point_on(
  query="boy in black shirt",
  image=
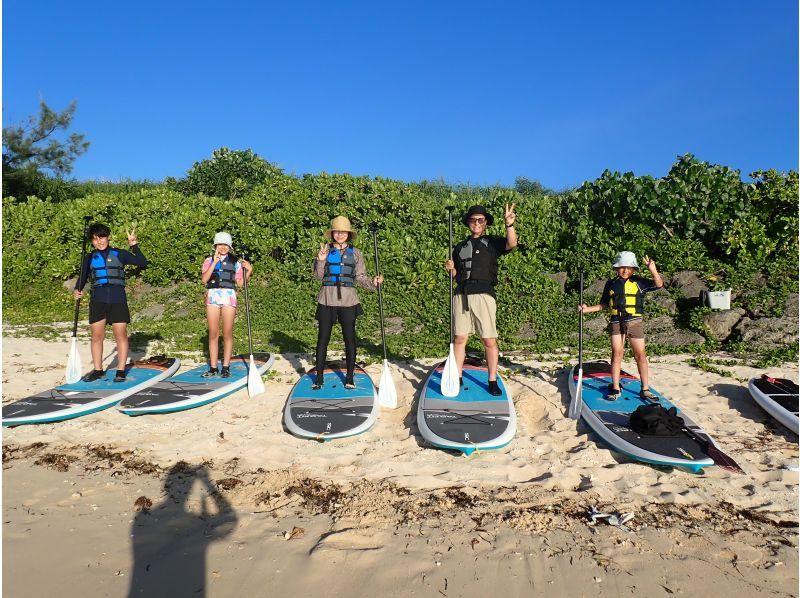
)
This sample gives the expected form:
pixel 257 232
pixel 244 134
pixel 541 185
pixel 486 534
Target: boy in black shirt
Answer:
pixel 108 304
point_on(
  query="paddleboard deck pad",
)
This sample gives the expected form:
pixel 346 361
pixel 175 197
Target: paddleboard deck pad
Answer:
pixel 333 411
pixel 610 419
pixel 778 397
pixel 189 389
pixel 73 400
pixel 473 420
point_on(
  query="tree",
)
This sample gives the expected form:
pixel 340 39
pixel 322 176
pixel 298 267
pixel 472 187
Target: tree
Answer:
pixel 31 149
pixel 228 174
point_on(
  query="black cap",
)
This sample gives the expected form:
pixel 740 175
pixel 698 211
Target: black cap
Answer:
pixel 480 210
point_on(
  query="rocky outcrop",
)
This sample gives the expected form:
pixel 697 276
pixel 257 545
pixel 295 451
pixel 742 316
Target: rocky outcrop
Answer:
pixel 790 309
pixel 688 283
pixel 154 312
pixel 596 288
pixel 663 300
pixel 662 331
pixel 720 324
pixel 768 333
pixel 560 278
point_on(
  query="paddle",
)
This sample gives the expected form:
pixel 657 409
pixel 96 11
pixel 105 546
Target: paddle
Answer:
pixel 450 383
pixel 387 394
pixel 74 367
pixel 577 399
pixel 255 385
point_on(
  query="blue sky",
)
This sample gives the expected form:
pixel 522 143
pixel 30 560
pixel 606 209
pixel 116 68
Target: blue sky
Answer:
pixel 468 92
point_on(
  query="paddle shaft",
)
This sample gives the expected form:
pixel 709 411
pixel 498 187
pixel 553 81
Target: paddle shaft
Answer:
pixel 380 291
pixel 580 329
pixel 86 221
pixel 450 248
pixel 247 310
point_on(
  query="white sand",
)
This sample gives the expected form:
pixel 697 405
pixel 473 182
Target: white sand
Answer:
pixel 373 527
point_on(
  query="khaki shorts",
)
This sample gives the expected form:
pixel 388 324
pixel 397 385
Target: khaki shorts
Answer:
pixel 481 317
pixel 633 329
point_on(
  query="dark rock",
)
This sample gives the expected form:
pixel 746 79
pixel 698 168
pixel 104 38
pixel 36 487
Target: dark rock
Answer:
pixel 790 310
pixel 527 331
pixel 768 333
pixel 155 312
pixel 720 324
pixel 182 312
pixel 70 284
pixel 140 289
pixel 393 325
pixel 662 331
pixel 560 278
pixel 688 283
pixel 663 300
pixel 596 288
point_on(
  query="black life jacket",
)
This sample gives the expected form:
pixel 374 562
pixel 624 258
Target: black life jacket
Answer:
pixel 627 300
pixel 655 420
pixel 106 270
pixel 340 269
pixel 224 275
pixel 476 264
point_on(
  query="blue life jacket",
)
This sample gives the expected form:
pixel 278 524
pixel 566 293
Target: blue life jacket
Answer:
pixel 224 276
pixel 340 268
pixel 106 271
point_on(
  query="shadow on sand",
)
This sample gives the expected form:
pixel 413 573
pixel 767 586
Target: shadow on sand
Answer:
pixel 170 541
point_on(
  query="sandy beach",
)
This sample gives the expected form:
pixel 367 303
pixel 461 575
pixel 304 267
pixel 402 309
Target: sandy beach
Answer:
pixel 222 501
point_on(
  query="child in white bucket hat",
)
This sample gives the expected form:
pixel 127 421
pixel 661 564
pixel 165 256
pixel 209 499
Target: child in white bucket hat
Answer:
pixel 222 273
pixel 623 296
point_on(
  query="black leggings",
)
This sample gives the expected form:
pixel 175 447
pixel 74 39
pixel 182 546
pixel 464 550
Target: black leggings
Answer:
pixel 327 317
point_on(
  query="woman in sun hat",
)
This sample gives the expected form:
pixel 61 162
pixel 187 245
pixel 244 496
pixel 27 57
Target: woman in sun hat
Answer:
pixel 340 267
pixel 222 273
pixel 624 297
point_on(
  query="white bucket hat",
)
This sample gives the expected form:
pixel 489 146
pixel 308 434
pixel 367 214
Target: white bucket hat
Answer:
pixel 223 239
pixel 625 259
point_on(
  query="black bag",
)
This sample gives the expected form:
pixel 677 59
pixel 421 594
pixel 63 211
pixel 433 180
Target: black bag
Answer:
pixel 654 420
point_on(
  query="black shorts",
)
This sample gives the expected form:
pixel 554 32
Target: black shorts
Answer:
pixel 112 313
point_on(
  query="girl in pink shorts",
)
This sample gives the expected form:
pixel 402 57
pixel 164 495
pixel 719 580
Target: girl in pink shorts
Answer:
pixel 221 274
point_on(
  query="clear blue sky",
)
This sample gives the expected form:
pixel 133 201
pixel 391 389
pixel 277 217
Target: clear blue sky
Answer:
pixel 469 92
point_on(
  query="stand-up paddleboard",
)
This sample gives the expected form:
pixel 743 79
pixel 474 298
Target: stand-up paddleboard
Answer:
pixel 610 419
pixel 189 389
pixel 473 420
pixel 778 397
pixel 333 411
pixel 72 400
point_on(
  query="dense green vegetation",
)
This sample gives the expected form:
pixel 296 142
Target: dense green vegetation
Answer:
pixel 698 217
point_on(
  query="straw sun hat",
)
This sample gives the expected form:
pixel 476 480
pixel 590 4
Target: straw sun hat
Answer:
pixel 342 224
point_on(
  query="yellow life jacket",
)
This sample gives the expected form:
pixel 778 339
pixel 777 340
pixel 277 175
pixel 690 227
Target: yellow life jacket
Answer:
pixel 627 300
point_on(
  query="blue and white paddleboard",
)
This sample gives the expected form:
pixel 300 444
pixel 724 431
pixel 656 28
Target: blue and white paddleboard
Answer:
pixel 779 398
pixel 610 419
pixel 333 411
pixel 473 420
pixel 189 389
pixel 72 400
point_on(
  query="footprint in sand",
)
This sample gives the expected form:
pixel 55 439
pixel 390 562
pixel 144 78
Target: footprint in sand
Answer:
pixel 532 412
pixel 351 539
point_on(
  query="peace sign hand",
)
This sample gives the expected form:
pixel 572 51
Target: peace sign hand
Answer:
pixel 509 215
pixel 131 236
pixel 323 252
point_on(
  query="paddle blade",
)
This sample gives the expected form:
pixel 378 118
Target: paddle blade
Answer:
pixel 450 385
pixel 577 398
pixel 387 394
pixel 255 385
pixel 74 367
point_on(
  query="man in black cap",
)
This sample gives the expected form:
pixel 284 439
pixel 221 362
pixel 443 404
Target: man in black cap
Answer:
pixel 474 266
